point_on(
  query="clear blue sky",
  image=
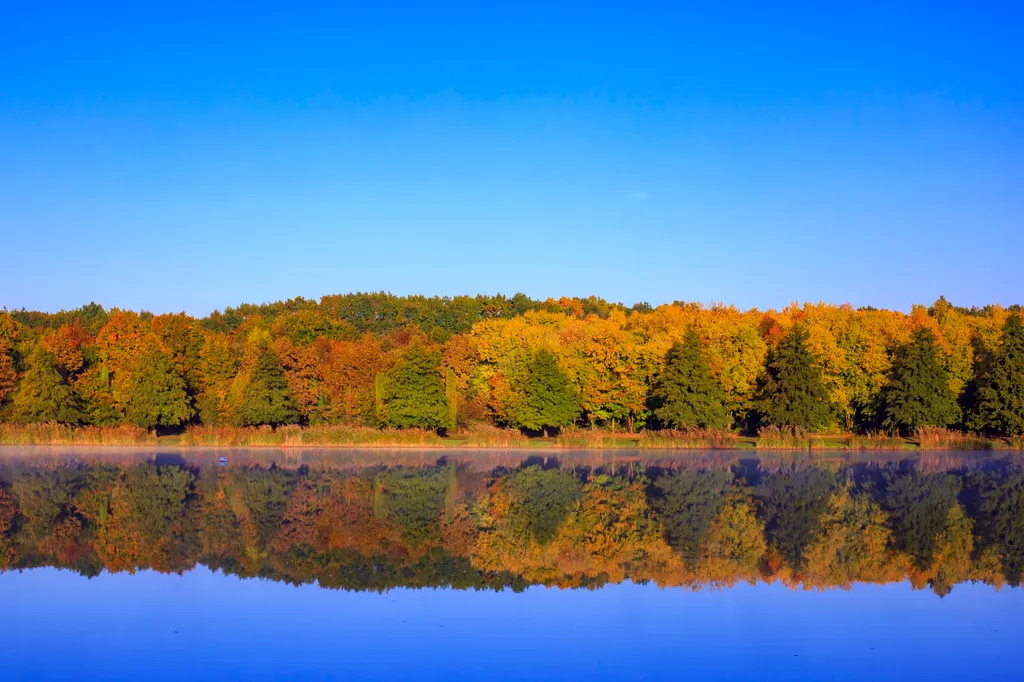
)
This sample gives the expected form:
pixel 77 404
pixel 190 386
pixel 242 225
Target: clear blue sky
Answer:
pixel 180 156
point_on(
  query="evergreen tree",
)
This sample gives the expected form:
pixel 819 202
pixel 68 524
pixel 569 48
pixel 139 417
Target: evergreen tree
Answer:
pixel 156 394
pixel 999 400
pixel 686 395
pixel 792 392
pixel 267 399
pixel 414 395
pixel 918 392
pixel 43 396
pixel 548 399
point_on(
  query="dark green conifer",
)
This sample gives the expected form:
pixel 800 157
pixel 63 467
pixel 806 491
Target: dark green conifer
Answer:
pixel 413 395
pixel 267 399
pixel 792 392
pixel 686 396
pixel 548 399
pixel 918 392
pixel 999 400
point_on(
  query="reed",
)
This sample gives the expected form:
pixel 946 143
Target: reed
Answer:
pixel 785 438
pixel 937 438
pixel 311 436
pixel 875 440
pixel 1015 442
pixel 688 439
pixel 62 434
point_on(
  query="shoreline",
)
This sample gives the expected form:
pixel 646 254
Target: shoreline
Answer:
pixel 341 438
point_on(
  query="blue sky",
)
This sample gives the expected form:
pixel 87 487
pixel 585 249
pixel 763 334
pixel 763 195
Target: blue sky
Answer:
pixel 182 157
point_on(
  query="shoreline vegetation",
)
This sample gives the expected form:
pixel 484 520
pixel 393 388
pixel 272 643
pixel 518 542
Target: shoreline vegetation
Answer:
pixel 377 370
pixel 490 437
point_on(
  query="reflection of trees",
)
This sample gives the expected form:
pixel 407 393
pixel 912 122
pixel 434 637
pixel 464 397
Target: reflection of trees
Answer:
pixel 374 528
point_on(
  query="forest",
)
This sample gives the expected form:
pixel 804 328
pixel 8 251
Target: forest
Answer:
pixel 503 522
pixel 379 362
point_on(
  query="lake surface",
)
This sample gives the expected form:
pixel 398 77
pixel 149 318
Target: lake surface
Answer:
pixel 322 565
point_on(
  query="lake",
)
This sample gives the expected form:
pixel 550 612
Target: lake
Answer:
pixel 502 565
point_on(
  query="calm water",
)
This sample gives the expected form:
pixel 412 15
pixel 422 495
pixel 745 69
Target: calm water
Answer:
pixel 488 565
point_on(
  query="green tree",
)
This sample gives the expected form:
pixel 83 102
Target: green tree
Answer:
pixel 791 391
pixel 918 392
pixel 43 396
pixel 451 392
pixel 999 400
pixel 156 394
pixel 414 395
pixel 686 395
pixel 267 399
pixel 548 399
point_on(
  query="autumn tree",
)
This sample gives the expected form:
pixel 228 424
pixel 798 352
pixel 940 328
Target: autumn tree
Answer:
pixel 686 395
pixel 999 397
pixel 266 398
pixel 43 395
pixel 918 392
pixel 8 375
pixel 157 395
pixel 791 391
pixel 413 395
pixel 547 398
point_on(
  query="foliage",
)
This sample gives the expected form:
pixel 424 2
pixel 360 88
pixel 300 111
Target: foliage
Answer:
pixel 604 366
pixel 43 395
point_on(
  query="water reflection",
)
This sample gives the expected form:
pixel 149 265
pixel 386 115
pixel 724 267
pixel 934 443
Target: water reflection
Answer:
pixel 382 520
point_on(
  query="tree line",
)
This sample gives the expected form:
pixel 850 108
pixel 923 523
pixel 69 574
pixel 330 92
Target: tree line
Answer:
pixel 439 363
pixel 456 524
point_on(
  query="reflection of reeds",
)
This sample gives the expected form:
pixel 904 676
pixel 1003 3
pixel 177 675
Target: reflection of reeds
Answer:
pixel 62 434
pixel 937 438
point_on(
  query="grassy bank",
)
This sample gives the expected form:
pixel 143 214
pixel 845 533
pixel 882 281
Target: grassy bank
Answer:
pixel 483 436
